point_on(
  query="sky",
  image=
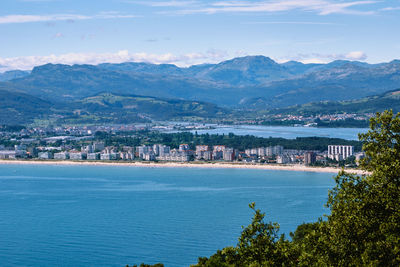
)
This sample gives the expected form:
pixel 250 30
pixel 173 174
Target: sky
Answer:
pixel 187 32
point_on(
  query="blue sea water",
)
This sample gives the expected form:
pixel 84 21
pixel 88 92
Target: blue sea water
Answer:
pixel 286 131
pixel 118 215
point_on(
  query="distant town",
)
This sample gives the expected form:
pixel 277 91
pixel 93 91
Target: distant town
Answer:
pixel 115 143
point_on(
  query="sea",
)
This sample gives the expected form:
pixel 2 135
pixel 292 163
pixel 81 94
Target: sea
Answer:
pixel 58 215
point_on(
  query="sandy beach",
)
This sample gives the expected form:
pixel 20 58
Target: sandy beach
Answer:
pixel 187 165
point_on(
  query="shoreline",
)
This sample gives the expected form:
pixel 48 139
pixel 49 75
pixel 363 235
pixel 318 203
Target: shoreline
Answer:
pixel 216 165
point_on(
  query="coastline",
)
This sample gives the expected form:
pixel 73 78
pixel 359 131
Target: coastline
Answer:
pixel 217 165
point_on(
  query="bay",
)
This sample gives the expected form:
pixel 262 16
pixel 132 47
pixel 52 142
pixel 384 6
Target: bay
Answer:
pixel 285 131
pixel 118 215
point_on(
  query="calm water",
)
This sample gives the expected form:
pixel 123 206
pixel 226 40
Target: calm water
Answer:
pixel 287 132
pixel 112 216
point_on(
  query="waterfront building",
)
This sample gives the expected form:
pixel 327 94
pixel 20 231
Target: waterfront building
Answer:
pixel 207 155
pixel 45 155
pixel 217 155
pixel 160 149
pixel 218 148
pixel 61 155
pixel 8 154
pixel 339 152
pixel 98 146
pixel 126 156
pixel 283 159
pixel 277 150
pixel 93 156
pixel 149 156
pixel 203 152
pixel 142 150
pixel 164 150
pixel 105 156
pixel 87 149
pixel 109 156
pixel 174 157
pixel 229 154
pixel 184 147
pixel 310 158
pixel 77 155
pixel 261 152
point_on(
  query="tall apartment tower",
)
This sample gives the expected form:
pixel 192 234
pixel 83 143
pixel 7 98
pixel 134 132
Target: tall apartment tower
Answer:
pixel 340 152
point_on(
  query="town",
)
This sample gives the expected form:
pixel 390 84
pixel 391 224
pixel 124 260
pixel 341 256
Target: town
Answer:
pixel 83 145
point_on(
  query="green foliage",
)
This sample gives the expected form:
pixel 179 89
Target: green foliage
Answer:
pixel 347 123
pixel 147 265
pixel 364 225
pixel 363 228
pixel 258 245
pixel 378 103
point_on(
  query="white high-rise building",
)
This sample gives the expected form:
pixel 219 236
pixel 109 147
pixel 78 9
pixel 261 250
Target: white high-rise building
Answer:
pixel 340 152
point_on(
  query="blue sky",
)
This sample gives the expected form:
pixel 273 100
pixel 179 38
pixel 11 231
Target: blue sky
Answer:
pixel 34 32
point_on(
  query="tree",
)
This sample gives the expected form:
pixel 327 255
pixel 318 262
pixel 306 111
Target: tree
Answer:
pixel 363 228
pixel 258 245
pixel 364 225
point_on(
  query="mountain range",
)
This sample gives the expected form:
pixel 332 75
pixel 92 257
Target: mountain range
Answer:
pixel 252 82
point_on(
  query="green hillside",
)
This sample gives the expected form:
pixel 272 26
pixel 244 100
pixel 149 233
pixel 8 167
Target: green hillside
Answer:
pixel 21 108
pixel 372 104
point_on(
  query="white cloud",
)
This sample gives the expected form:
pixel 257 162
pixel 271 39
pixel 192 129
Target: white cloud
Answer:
pixel 326 58
pixel 356 55
pixel 173 3
pixel 58 35
pixel 28 62
pixel 390 8
pixel 322 7
pixel 292 22
pixel 7 19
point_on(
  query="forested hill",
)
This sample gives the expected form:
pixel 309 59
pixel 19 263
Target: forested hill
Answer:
pixel 372 104
pixel 20 108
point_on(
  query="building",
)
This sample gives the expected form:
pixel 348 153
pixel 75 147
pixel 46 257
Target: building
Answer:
pixel 61 155
pixel 261 152
pixel 310 158
pixel 87 149
pixel 273 151
pixel 93 156
pixel 150 156
pixel 174 157
pixel 77 155
pixel 126 156
pixel 207 155
pixel 8 154
pixel 105 156
pixel 203 152
pixel 359 157
pixel 218 148
pixel 142 150
pixel 161 150
pixel 45 155
pixel 339 152
pixel 229 154
pixel 98 146
pixel 283 159
pixel 184 147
